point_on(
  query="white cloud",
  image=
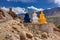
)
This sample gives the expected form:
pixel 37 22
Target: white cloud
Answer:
pixel 57 2
pixel 6 9
pixel 34 8
pixel 54 1
pixel 48 8
pixel 17 10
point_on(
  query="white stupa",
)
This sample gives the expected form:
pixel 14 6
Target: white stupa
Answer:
pixel 34 18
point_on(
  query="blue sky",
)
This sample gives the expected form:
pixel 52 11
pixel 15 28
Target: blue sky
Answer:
pixel 30 4
pixel 25 4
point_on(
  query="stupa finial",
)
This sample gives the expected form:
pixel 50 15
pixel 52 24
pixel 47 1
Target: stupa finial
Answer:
pixel 26 10
pixel 35 11
pixel 42 12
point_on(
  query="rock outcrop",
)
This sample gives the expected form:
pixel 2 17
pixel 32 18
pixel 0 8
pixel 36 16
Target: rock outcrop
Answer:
pixel 4 16
pixel 13 14
pixel 15 29
pixel 1 14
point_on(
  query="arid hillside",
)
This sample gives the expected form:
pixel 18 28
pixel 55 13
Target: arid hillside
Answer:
pixel 16 30
pixel 12 28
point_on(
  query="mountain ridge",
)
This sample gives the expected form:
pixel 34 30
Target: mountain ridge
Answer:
pixel 47 12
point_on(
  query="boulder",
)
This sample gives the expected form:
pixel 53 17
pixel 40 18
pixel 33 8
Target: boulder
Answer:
pixel 29 35
pixel 22 35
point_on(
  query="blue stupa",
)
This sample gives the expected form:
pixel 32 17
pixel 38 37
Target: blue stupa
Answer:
pixel 26 18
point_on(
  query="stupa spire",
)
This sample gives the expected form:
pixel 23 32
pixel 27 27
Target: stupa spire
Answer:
pixel 26 10
pixel 42 19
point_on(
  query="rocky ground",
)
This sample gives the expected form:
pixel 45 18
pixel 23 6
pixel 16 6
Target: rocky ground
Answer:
pixel 16 30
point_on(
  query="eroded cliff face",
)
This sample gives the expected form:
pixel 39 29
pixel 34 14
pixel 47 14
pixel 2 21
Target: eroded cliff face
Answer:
pixel 16 30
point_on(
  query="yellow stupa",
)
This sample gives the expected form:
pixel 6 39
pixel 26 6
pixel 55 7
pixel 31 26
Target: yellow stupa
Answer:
pixel 42 19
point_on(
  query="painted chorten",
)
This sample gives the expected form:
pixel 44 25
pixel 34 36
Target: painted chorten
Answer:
pixel 27 18
pixel 34 18
pixel 42 19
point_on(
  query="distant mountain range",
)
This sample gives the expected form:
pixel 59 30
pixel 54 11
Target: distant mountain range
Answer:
pixel 52 15
pixel 47 12
pixel 52 11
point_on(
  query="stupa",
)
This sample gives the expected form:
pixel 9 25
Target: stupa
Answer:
pixel 42 19
pixel 27 18
pixel 34 18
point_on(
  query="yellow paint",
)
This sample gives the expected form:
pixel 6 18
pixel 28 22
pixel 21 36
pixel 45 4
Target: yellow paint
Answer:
pixel 42 19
